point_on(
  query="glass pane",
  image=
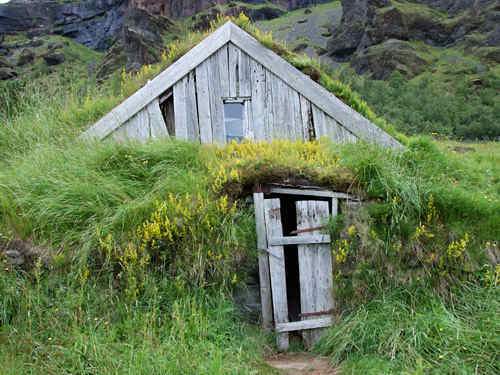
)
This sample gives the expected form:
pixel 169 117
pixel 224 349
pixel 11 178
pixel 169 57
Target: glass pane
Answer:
pixel 233 121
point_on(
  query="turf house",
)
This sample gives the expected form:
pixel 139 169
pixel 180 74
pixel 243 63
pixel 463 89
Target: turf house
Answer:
pixel 228 88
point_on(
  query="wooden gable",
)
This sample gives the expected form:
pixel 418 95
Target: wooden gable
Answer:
pixel 188 99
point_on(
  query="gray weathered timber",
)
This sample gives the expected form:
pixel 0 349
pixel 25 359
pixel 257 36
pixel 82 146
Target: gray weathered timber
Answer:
pixel 264 276
pixel 244 73
pixel 193 130
pixel 203 95
pixel 161 83
pixel 230 51
pixel 306 117
pixel 315 267
pixel 269 98
pixel 219 88
pixel 345 115
pixel 180 109
pixel 156 123
pixel 304 324
pixel 258 103
pixel 335 206
pixel 311 193
pixel 135 128
pixel 277 268
pixel 299 240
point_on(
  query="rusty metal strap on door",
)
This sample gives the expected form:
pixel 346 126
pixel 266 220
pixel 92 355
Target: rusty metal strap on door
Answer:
pixel 307 230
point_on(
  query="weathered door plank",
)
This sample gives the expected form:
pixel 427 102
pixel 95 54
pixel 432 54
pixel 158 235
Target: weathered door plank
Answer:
pixel 315 267
pixel 277 268
pixel 264 273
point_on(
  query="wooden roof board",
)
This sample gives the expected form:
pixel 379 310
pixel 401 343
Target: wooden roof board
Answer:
pixel 353 121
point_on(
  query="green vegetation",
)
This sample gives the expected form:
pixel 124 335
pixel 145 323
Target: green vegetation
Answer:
pixel 132 249
pixel 466 106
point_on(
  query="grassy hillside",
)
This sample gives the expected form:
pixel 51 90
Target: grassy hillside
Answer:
pixel 132 250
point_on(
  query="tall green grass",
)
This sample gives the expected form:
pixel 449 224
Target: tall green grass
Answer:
pixel 413 331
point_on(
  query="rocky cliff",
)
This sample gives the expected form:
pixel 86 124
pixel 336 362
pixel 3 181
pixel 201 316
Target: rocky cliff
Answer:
pixel 377 35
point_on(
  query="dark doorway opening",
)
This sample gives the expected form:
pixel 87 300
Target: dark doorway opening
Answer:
pixel 167 110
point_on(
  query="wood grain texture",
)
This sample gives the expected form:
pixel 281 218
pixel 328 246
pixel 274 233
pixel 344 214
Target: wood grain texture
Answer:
pixel 157 124
pixel 180 109
pixel 258 103
pixel 264 273
pixel 193 129
pixel 299 240
pixel 277 268
pixel 160 84
pixel 305 324
pixel 203 97
pixel 218 88
pixel 322 98
pixel 135 128
pixel 306 117
pixel 315 267
pixel 311 193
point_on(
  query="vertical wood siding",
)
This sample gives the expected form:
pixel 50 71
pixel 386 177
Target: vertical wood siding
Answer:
pixel 272 108
pixel 146 124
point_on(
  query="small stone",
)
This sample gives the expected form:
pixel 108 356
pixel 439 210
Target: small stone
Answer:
pixel 14 257
pixel 7 74
pixel 26 57
pixel 54 58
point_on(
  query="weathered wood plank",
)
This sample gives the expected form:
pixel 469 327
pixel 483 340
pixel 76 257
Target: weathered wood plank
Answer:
pixel 180 109
pixel 203 94
pixel 156 122
pixel 135 128
pixel 264 273
pixel 300 135
pixel 277 268
pixel 219 88
pixel 319 122
pixel 311 193
pixel 326 101
pixel 234 67
pixel 270 98
pixel 158 85
pixel 299 240
pixel 258 103
pixel 306 114
pixel 315 267
pixel 305 324
pixel 193 129
pixel 335 206
pixel 244 74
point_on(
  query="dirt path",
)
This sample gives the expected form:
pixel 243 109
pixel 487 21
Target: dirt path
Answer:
pixel 301 363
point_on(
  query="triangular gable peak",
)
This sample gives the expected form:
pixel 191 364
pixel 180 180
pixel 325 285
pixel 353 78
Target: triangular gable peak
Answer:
pixel 230 86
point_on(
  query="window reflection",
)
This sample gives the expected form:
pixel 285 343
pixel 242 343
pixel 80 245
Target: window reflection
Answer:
pixel 233 121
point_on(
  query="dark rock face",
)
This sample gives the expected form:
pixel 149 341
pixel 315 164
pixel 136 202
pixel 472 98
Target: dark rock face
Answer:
pixel 54 58
pixel 26 57
pixel 387 57
pixel 7 74
pixel 176 9
pixel 91 23
pixel 369 23
pixel 138 43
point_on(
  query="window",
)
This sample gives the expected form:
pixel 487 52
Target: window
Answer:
pixel 233 121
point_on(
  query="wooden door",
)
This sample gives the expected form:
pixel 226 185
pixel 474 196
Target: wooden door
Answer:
pixel 315 267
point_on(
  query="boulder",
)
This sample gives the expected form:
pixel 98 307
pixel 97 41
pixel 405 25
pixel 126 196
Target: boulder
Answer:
pixel 26 57
pixel 14 257
pixel 392 55
pixel 7 74
pixel 54 58
pixel 4 63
